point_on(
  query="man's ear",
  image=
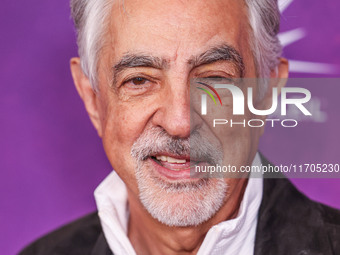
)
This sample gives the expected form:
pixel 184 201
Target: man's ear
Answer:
pixel 278 79
pixel 87 94
pixel 280 73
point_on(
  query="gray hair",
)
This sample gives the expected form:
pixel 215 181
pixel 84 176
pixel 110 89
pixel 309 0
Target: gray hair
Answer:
pixel 91 19
pixel 264 19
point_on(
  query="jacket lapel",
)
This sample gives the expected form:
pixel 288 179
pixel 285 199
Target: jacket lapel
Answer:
pixel 101 247
pixel 288 222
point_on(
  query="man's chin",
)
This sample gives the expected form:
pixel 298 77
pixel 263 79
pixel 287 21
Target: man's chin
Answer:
pixel 179 202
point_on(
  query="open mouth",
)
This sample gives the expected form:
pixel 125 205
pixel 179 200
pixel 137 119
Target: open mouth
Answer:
pixel 172 163
pixel 175 167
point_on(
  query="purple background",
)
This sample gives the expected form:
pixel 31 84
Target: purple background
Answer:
pixel 50 157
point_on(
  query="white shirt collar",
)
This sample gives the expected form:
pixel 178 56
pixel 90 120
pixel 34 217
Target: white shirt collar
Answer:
pixel 235 236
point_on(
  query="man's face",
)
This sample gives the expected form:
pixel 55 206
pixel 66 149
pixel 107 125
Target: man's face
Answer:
pixel 152 51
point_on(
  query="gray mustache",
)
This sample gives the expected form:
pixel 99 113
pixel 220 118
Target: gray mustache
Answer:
pixel 156 140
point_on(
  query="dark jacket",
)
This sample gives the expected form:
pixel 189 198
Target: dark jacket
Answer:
pixel 288 223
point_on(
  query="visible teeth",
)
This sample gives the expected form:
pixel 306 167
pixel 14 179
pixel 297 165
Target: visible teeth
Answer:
pixel 171 159
pixel 161 158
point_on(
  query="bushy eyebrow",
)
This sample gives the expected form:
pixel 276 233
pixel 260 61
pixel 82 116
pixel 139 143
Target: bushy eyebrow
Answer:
pixel 131 60
pixel 140 60
pixel 224 52
pixel 218 53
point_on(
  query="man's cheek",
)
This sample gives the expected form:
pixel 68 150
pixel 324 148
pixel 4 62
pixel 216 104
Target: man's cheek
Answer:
pixel 122 128
pixel 117 144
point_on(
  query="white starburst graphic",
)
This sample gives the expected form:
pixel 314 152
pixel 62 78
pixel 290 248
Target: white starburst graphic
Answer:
pixel 292 36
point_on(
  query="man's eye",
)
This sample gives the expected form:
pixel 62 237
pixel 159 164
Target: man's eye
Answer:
pixel 215 77
pixel 218 79
pixel 138 81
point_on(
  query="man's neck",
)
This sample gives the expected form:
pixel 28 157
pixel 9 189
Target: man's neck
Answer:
pixel 149 236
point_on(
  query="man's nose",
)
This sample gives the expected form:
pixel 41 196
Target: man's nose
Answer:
pixel 174 112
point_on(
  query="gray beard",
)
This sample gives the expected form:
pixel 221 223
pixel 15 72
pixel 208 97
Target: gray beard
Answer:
pixel 178 204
